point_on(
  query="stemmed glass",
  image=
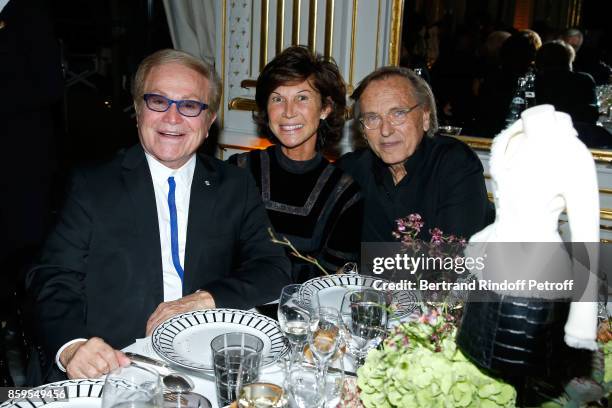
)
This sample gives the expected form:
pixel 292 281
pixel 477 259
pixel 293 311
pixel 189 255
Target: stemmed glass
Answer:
pixel 304 386
pixel 132 386
pixel 364 313
pixel 324 340
pixel 295 319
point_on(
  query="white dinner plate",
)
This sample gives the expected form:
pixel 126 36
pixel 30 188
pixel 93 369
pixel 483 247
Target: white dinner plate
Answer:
pixel 185 339
pixel 80 394
pixel 331 290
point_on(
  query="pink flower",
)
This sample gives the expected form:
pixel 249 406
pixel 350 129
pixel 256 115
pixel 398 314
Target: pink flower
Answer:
pixel 415 221
pixel 407 231
pixel 436 232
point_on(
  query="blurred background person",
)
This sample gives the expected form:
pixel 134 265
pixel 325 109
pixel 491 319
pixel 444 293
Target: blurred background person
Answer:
pixel 556 84
pixel 517 56
pixel 490 51
pixel 587 58
pixel 452 79
pixel 301 106
pixel 533 37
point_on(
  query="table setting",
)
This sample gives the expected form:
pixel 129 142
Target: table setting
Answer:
pixel 211 358
pixel 338 342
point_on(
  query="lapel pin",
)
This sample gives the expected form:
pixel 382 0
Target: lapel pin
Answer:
pixel 207 182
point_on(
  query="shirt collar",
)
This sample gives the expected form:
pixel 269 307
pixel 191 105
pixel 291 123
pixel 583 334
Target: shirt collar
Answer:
pixel 160 173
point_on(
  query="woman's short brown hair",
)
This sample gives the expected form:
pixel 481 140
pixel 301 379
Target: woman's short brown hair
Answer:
pixel 296 64
pixel 170 56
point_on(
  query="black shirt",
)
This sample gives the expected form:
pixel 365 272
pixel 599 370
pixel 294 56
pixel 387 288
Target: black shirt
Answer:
pixel 444 184
pixel 314 204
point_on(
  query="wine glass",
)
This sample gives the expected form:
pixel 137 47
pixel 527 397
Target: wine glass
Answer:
pixel 295 319
pixel 364 313
pixel 132 386
pixel 324 340
pixel 256 395
pixel 304 386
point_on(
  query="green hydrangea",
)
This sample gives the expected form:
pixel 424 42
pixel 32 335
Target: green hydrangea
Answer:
pixel 607 350
pixel 420 366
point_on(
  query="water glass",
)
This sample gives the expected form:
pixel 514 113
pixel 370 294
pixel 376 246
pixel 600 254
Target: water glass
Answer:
pixel 305 389
pixel 364 313
pixel 236 360
pixel 132 386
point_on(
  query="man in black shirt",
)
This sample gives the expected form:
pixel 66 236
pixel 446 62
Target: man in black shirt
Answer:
pixel 407 169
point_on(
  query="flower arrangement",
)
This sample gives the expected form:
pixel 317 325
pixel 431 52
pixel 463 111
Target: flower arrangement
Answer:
pixel 421 366
pixel 407 230
pixel 445 249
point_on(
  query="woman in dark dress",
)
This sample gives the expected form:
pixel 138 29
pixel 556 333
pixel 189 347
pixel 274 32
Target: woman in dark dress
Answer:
pixel 301 100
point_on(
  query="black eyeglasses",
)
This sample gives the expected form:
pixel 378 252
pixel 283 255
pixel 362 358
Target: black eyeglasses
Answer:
pixel 160 103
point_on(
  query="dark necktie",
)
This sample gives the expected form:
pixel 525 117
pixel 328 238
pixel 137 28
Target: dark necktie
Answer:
pixel 176 260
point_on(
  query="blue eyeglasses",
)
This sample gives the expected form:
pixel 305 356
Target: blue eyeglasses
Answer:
pixel 160 103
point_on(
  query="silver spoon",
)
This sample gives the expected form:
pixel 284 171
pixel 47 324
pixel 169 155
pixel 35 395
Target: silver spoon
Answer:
pixel 177 383
pixel 173 381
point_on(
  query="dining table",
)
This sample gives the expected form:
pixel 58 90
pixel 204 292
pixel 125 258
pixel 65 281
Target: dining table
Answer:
pixel 206 323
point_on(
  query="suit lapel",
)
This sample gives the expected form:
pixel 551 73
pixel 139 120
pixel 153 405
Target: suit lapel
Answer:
pixel 202 201
pixel 139 185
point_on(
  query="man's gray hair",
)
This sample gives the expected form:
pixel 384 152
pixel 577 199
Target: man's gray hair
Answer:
pixel 573 32
pixel 420 91
pixel 170 56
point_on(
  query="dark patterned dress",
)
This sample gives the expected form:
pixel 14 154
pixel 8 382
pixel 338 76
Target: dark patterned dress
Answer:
pixel 313 203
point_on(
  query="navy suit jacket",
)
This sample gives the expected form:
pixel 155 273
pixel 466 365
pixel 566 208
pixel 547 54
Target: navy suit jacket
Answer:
pixel 100 271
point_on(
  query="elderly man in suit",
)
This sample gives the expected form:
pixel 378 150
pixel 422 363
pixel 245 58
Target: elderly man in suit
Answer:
pixel 157 231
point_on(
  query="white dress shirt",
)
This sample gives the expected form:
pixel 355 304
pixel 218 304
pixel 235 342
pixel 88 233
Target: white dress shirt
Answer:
pixel 183 176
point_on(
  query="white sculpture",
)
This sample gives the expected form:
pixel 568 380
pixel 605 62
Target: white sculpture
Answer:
pixel 539 169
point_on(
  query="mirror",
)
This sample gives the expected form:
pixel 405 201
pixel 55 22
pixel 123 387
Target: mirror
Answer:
pixel 461 48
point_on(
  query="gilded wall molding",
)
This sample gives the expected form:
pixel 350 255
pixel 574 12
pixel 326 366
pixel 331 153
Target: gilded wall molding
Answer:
pixel 242 104
pixel 481 143
pixel 397 16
